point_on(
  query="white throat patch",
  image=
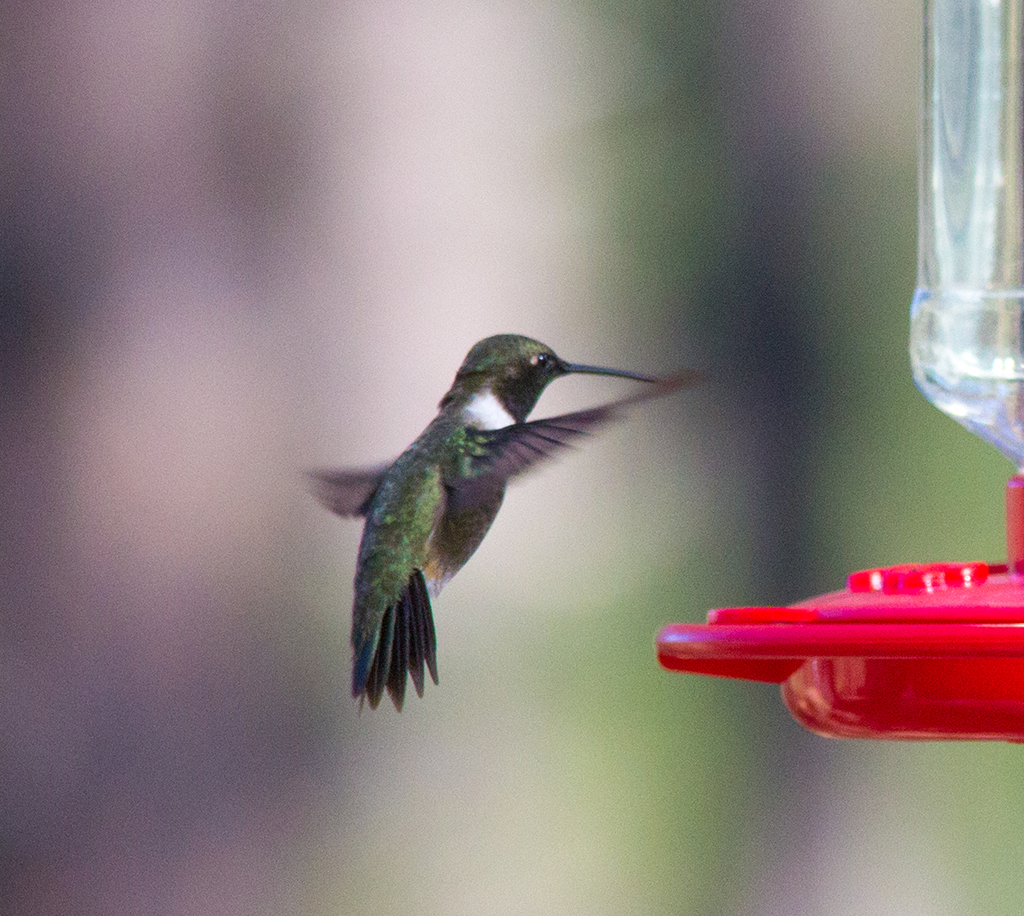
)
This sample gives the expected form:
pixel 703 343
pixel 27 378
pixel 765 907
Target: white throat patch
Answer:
pixel 485 411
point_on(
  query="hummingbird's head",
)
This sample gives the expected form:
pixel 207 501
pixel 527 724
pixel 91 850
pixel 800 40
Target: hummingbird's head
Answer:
pixel 502 377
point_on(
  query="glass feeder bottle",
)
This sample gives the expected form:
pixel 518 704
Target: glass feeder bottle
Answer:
pixel 967 317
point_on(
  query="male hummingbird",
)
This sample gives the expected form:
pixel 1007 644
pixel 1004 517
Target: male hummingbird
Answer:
pixel 428 511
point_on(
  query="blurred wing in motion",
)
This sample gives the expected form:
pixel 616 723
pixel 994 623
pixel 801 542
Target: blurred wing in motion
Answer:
pixel 347 491
pixel 501 454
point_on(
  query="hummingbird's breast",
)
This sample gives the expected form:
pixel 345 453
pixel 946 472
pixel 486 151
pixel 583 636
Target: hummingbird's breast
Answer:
pixel 455 539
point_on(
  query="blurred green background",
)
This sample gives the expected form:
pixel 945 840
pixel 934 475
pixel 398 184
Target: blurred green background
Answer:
pixel 244 239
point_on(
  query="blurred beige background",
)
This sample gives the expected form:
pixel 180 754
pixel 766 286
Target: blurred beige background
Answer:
pixel 244 239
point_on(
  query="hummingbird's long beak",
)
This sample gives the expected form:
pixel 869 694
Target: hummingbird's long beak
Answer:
pixel 600 370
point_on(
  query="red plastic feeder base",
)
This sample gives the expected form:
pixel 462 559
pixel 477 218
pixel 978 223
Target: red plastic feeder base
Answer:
pixel 933 651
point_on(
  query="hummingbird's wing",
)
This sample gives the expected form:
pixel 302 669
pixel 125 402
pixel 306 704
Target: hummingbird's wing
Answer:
pixel 500 454
pixel 346 491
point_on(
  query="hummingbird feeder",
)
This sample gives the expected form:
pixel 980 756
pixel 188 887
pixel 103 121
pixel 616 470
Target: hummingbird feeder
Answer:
pixel 930 651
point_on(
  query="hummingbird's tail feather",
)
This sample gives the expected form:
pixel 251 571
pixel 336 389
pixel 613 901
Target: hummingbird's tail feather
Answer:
pixel 372 685
pixel 428 637
pixel 407 640
pixel 421 631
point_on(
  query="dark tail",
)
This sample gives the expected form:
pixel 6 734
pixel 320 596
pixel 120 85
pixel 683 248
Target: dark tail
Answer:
pixel 407 640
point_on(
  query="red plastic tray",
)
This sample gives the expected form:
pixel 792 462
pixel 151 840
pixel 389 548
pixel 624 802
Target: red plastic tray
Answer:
pixel 933 650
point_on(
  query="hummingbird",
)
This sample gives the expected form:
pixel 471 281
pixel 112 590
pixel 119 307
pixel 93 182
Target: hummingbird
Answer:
pixel 427 512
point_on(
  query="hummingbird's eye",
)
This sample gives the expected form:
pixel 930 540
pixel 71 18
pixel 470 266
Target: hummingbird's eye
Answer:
pixel 540 359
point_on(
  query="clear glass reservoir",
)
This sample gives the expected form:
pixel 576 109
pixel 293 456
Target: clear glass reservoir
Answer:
pixel 967 318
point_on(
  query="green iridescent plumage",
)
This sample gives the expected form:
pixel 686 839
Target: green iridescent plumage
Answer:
pixel 428 511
